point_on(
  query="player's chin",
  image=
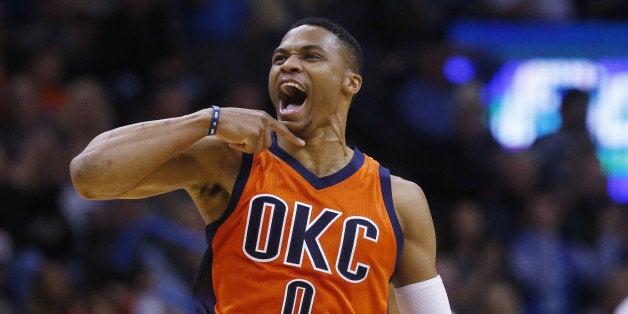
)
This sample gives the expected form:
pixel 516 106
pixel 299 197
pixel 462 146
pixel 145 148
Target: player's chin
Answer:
pixel 297 127
pixel 294 126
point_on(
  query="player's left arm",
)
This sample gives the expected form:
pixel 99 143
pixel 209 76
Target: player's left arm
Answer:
pixel 418 287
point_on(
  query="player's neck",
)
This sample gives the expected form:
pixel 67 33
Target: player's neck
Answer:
pixel 321 155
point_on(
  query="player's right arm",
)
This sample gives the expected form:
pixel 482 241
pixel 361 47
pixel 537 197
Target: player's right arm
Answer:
pixel 153 157
pixel 418 287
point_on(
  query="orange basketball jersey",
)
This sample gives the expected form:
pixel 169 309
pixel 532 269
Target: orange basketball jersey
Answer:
pixel 290 242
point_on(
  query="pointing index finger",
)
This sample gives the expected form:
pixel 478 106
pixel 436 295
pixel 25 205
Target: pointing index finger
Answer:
pixel 284 132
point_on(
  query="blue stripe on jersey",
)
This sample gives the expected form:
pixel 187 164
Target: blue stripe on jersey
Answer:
pixel 203 291
pixel 384 179
pixel 320 183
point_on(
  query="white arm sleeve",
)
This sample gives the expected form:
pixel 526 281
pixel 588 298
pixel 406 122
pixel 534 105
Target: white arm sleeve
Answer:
pixel 427 296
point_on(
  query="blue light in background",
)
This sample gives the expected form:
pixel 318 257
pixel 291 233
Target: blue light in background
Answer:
pixel 459 69
pixel 519 40
pixel 540 59
pixel 524 99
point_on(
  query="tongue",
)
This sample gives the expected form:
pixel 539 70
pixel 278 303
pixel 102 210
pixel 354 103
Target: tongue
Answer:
pixel 291 108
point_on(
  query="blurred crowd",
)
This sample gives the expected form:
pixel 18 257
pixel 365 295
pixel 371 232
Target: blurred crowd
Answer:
pixel 527 231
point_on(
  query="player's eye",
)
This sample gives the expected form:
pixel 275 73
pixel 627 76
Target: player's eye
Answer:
pixel 312 56
pixel 279 59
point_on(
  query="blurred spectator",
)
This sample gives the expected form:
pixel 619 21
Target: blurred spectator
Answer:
pixel 23 111
pixel 615 292
pixel 561 274
pixel 33 219
pixel 53 291
pixel 47 71
pixel 36 175
pixel 135 36
pixel 470 153
pixel 501 297
pixel 177 70
pixel 6 257
pixel 170 101
pixel 424 109
pixel 3 88
pixel 588 198
pixel 570 167
pixel 88 110
pixel 248 95
pixel 555 151
pixel 517 180
pixel 475 260
pixel 425 99
pixel 166 260
pixel 540 258
pixel 600 258
pixel 87 113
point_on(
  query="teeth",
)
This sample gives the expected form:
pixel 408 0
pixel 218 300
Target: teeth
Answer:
pixel 285 89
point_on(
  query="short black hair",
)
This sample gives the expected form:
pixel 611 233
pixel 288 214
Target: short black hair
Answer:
pixel 350 43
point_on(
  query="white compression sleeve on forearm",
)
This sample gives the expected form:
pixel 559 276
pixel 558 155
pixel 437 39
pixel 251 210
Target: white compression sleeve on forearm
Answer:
pixel 427 296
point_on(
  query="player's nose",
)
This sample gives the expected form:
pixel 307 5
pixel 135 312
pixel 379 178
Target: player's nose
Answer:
pixel 292 64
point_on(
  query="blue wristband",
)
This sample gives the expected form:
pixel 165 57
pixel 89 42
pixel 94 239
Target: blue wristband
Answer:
pixel 213 125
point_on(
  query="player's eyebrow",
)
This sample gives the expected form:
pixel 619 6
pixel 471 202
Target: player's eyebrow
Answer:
pixel 301 48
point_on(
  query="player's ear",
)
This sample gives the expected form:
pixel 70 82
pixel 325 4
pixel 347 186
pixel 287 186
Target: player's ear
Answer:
pixel 352 82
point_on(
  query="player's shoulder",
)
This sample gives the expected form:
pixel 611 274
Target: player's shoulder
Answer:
pixel 403 188
pixel 409 201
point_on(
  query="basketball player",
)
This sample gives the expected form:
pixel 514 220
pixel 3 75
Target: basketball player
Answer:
pixel 296 220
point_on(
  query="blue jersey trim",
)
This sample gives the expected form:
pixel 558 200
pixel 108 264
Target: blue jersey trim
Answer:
pixel 384 179
pixel 204 295
pixel 324 182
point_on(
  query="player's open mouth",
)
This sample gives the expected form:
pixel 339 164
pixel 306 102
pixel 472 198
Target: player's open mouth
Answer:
pixel 291 97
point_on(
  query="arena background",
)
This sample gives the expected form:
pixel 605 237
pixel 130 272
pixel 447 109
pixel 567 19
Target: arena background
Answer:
pixel 455 93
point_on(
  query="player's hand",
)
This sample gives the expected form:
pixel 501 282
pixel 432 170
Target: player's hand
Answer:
pixel 250 130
